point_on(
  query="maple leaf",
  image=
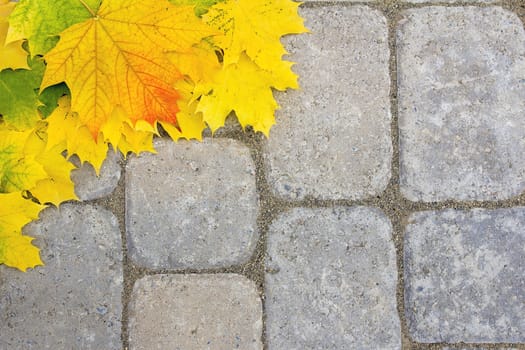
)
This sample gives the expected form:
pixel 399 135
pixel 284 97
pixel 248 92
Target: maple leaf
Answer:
pixel 133 141
pixel 49 98
pixel 244 88
pixel 19 97
pixel 254 27
pixel 41 22
pixel 18 170
pixel 12 55
pixel 125 137
pixel 65 132
pixel 16 249
pixel 190 123
pixel 57 186
pixel 199 63
pixel 252 62
pixel 200 6
pixel 116 58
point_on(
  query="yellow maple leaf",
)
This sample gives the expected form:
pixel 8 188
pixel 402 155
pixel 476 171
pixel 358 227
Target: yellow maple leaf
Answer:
pixel 117 58
pixel 65 132
pixel 12 55
pixel 16 249
pixel 200 63
pixel 251 53
pixel 254 27
pixel 16 212
pixel 57 187
pixel 127 138
pixel 135 141
pixel 244 88
pixel 190 123
pixel 18 170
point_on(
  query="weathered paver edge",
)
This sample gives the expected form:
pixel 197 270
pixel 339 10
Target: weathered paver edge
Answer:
pixel 395 207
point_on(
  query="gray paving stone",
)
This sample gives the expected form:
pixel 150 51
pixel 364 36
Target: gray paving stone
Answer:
pixel 464 278
pixel 74 301
pixel 332 137
pixel 479 348
pixel 331 280
pixel 89 186
pixel 193 205
pixel 221 311
pixel 451 1
pixel 461 76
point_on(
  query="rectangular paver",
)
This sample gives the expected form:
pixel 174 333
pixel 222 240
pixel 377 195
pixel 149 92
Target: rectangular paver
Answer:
pixel 464 279
pixel 192 205
pixel 74 301
pixel 331 281
pixel 219 311
pixel 461 76
pixel 332 137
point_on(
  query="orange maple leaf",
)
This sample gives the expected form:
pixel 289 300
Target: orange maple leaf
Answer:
pixel 117 58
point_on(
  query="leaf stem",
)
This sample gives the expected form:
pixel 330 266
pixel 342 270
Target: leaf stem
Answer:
pixel 88 8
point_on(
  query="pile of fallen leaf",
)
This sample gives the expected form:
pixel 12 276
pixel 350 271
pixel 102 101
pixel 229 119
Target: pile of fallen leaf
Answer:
pixel 79 75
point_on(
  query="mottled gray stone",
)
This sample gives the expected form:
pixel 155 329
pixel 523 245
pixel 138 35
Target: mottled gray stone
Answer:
pixel 451 1
pixel 331 280
pixel 90 186
pixel 461 79
pixel 192 205
pixel 332 137
pixel 464 278
pixel 479 348
pixel 74 301
pixel 220 311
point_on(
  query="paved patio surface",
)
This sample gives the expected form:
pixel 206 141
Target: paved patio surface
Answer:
pixel 386 211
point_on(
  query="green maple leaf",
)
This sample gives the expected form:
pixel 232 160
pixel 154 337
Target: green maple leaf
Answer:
pixel 41 22
pixel 19 95
pixel 49 97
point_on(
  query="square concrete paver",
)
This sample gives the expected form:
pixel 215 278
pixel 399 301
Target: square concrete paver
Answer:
pixel 461 76
pixel 74 301
pixel 332 137
pixel 192 205
pixel 331 281
pixel 464 279
pixel 219 311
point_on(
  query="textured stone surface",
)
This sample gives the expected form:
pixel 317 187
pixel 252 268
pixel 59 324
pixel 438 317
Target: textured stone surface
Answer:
pixel 480 348
pixel 332 137
pixel 192 205
pixel 222 311
pixel 461 96
pixel 331 280
pixel 90 186
pixel 450 1
pixel 464 278
pixel 74 301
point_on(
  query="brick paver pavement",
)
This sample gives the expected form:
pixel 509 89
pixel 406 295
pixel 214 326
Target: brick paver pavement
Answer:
pixel 386 211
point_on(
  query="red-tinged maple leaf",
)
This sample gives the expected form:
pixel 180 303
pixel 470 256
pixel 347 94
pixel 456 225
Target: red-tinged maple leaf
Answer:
pixel 117 58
